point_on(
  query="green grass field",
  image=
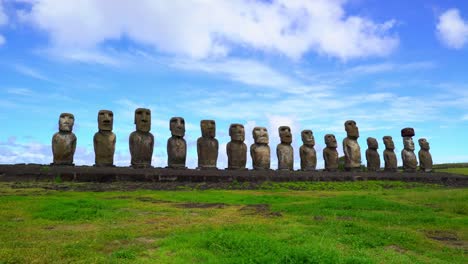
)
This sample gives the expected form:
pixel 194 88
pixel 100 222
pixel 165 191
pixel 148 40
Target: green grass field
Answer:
pixel 463 171
pixel 350 222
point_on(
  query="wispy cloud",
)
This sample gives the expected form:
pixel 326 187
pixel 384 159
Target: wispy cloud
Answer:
pixel 30 72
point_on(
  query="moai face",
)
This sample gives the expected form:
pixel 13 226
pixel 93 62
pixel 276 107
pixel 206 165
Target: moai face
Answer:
pixel 260 135
pixel 372 143
pixel 285 134
pixel 308 137
pixel 330 141
pixel 208 128
pixel 237 132
pixel 352 130
pixel 408 143
pixel 105 120
pixel 388 141
pixel 143 119
pixel 424 144
pixel 66 121
pixel 177 127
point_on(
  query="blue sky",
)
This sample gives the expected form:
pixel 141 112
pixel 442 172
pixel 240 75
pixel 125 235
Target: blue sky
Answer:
pixel 303 63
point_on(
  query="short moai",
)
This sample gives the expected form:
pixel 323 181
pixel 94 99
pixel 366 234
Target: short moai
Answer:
pixel 389 155
pixel 307 151
pixel 104 140
pixel 260 150
pixel 284 150
pixel 351 148
pixel 207 146
pixel 64 141
pixel 372 156
pixel 141 141
pixel 330 154
pixel 236 149
pixel 425 157
pixel 176 144
pixel 410 163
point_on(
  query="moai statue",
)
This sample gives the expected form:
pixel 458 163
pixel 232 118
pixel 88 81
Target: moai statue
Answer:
pixel 284 150
pixel 64 141
pixel 141 141
pixel 330 154
pixel 176 144
pixel 351 148
pixel 425 157
pixel 307 151
pixel 207 145
pixel 260 151
pixel 104 140
pixel 372 156
pixel 389 155
pixel 410 163
pixel 236 149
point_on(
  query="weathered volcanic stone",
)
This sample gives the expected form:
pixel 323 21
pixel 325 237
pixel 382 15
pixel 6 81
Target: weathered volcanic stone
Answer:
pixel 104 140
pixel 236 149
pixel 260 151
pixel 410 163
pixel 64 141
pixel 351 147
pixel 141 141
pixel 425 157
pixel 330 154
pixel 372 156
pixel 389 154
pixel 176 144
pixel 307 151
pixel 407 132
pixel 284 150
pixel 207 145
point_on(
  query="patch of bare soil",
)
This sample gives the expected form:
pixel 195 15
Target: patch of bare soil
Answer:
pixel 151 200
pixel 259 209
pixel 448 238
pixel 396 248
pixel 202 205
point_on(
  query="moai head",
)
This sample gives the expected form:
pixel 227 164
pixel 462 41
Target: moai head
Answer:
pixel 424 144
pixel 260 135
pixel 330 141
pixel 143 119
pixel 372 143
pixel 208 128
pixel 308 137
pixel 105 120
pixel 408 143
pixel 352 130
pixel 388 142
pixel 177 127
pixel 66 121
pixel 285 134
pixel 237 132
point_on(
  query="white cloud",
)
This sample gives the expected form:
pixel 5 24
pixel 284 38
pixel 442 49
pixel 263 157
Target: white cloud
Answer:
pixel 210 28
pixel 3 21
pixel 30 72
pixel 452 29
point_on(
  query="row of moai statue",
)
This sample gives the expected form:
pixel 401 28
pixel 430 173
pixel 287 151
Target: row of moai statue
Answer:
pixel 141 143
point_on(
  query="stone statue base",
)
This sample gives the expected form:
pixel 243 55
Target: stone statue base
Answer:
pixel 207 168
pixel 141 166
pixel 104 165
pixel 177 167
pixel 355 169
pixel 62 164
pixel 238 169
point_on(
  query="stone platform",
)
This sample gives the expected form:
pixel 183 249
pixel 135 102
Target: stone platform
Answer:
pixel 35 172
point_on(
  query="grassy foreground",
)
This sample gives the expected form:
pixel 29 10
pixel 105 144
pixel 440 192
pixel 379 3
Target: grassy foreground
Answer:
pixel 350 222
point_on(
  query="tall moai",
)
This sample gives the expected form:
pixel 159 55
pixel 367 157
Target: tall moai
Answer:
pixel 425 157
pixel 207 146
pixel 372 156
pixel 307 151
pixel 390 159
pixel 141 141
pixel 236 149
pixel 351 148
pixel 260 150
pixel 104 140
pixel 176 144
pixel 64 141
pixel 410 163
pixel 284 150
pixel 330 154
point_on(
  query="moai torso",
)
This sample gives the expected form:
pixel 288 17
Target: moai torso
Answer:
pixel 307 152
pixel 410 163
pixel 351 148
pixel 104 140
pixel 389 154
pixel 141 141
pixel 176 144
pixel 236 150
pixel 284 150
pixel 425 157
pixel 372 156
pixel 260 151
pixel 64 141
pixel 330 154
pixel 207 146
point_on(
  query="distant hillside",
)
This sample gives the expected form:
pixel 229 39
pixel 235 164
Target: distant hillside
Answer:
pixel 450 165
